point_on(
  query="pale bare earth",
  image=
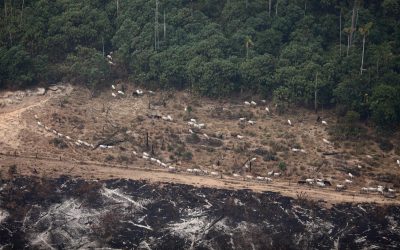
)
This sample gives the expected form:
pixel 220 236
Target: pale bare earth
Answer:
pixel 124 122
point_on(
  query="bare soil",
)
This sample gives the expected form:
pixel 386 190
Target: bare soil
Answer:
pixel 124 123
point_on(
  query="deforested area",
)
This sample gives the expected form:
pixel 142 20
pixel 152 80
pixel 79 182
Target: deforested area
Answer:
pixel 199 124
pixel 124 214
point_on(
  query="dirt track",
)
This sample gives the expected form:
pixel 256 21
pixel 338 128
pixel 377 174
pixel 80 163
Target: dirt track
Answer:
pixel 19 133
pixel 88 170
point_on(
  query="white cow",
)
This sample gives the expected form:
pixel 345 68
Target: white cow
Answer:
pixel 326 141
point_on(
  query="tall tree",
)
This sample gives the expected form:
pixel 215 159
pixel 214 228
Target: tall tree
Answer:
pixel 269 7
pixel 364 31
pixel 156 27
pixel 348 32
pixel 117 3
pixel 248 43
pixel 22 9
pixel 340 33
pixel 165 29
pixel 353 21
pixel 316 93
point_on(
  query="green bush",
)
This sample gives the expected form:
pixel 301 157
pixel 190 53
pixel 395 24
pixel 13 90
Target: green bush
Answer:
pixel 282 166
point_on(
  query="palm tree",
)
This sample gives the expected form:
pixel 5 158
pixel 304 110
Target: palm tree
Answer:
pixel 364 32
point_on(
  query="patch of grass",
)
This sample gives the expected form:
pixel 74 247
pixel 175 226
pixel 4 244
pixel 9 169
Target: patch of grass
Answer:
pixel 241 147
pixel 348 128
pixel 123 158
pixel 278 147
pixel 214 142
pixel 210 149
pixel 109 158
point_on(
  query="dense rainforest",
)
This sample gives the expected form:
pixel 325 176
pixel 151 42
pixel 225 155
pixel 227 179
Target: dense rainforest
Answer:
pixel 324 53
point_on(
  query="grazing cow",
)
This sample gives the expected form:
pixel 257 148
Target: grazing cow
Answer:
pixel 340 187
pixel 267 179
pixel 310 181
pixel 214 173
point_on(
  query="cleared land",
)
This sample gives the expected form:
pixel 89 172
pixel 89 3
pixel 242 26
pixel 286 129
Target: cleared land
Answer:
pixel 134 123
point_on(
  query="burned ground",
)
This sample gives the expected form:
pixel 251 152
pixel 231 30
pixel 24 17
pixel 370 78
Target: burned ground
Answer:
pixel 120 213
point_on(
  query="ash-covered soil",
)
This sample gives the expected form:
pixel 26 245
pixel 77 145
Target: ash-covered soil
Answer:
pixel 67 213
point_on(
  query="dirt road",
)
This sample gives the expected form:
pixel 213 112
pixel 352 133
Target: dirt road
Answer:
pixel 90 170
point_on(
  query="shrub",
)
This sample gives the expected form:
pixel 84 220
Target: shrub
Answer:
pixel 12 170
pixel 267 155
pixel 193 138
pixel 385 145
pixel 60 143
pixel 214 142
pixel 187 156
pixel 282 166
